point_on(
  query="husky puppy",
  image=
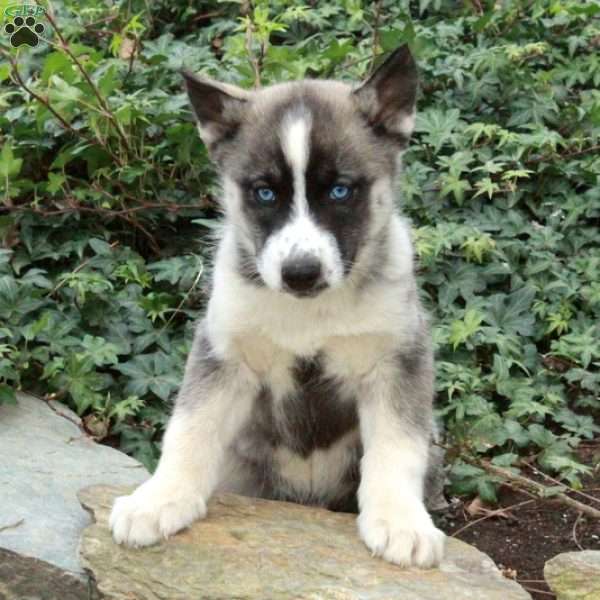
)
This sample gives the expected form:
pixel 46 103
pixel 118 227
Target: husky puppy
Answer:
pixel 311 377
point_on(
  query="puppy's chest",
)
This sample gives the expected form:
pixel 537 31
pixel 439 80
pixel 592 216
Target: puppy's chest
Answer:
pixel 305 408
pixel 303 432
pixel 308 404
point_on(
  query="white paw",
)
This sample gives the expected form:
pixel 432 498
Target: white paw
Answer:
pixel 402 535
pixel 152 513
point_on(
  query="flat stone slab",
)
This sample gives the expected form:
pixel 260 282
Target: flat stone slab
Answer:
pixel 26 578
pixel 574 575
pixel 45 458
pixel 248 548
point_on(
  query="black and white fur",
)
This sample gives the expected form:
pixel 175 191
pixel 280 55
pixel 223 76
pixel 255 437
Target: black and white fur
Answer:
pixel 311 376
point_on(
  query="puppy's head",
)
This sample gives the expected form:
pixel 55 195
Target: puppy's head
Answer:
pixel 307 170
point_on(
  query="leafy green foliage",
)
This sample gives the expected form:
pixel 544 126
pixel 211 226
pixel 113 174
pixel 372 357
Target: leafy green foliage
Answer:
pixel 108 199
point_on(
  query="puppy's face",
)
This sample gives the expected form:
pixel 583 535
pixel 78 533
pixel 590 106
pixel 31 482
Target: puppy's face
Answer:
pixel 307 169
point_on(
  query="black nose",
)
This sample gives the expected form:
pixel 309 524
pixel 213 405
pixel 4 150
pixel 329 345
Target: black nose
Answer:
pixel 301 274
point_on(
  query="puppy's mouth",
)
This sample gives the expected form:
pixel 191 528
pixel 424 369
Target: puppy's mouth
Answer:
pixel 306 293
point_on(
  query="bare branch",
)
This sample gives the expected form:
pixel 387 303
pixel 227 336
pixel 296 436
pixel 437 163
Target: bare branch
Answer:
pixel 539 489
pixel 101 100
pixel 42 100
pixel 491 514
pixel 254 61
pixel 45 102
pixel 375 42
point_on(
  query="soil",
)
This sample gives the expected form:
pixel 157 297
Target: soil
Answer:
pixel 529 531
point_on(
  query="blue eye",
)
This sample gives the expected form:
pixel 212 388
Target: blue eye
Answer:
pixel 340 192
pixel 265 195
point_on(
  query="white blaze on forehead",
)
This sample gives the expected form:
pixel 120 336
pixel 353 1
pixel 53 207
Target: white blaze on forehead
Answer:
pixel 295 143
pixel 295 132
pixel 301 235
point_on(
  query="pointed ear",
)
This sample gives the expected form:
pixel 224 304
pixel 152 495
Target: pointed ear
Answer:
pixel 218 107
pixel 387 98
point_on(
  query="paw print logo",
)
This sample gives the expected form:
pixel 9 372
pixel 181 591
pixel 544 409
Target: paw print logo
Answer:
pixel 24 31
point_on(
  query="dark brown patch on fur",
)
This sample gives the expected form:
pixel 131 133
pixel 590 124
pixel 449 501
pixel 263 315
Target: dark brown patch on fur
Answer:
pixel 311 422
pixel 317 415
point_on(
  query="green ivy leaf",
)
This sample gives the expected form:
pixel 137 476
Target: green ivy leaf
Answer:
pixel 462 330
pixel 7 394
pixel 150 373
pixel 9 165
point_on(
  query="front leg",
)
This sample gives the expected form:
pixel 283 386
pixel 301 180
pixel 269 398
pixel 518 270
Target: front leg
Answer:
pixel 213 404
pixel 395 424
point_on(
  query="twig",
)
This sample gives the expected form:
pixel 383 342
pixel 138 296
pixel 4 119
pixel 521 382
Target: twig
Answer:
pixel 540 490
pixel 99 209
pixel 579 152
pixel 556 482
pixel 208 15
pixel 45 102
pixel 575 531
pixel 151 239
pixel 131 59
pixel 492 513
pixel 375 42
pixel 519 489
pixel 108 112
pixel 103 21
pixel 590 443
pixel 477 5
pixel 55 397
pixel 539 591
pixel 254 62
pixel 542 158
pixel 194 284
pixel 76 270
pixel 354 62
pixel 42 100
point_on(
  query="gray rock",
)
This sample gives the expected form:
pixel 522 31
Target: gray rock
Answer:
pixel 258 549
pixel 45 458
pixel 574 575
